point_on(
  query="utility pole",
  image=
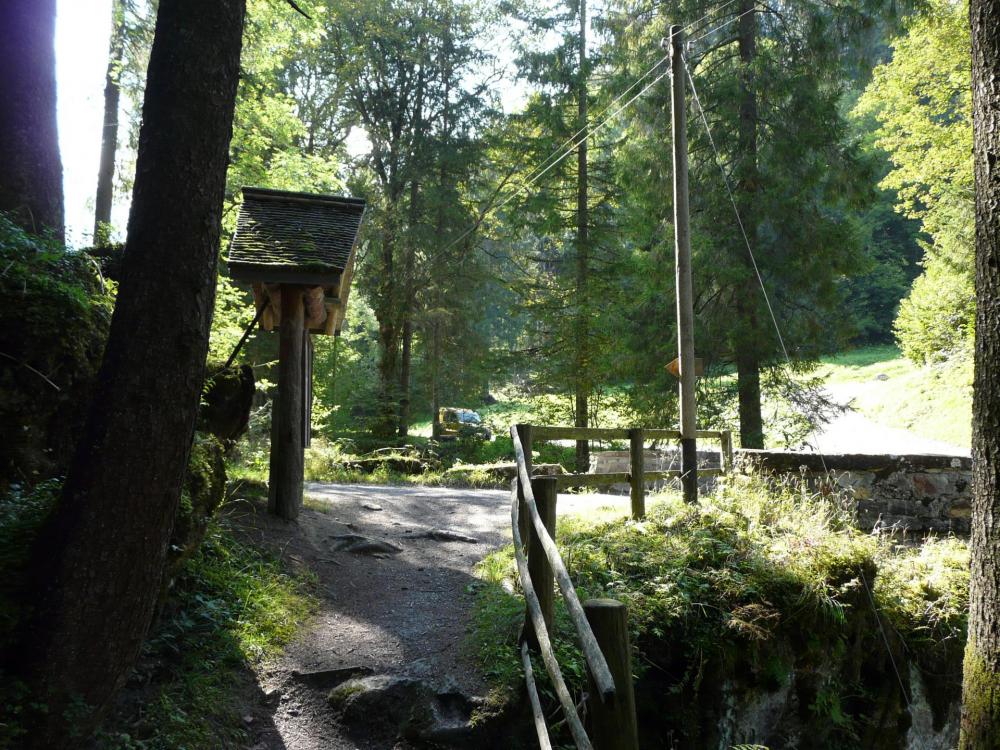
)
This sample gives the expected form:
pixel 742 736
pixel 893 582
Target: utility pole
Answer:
pixel 682 249
pixel 582 391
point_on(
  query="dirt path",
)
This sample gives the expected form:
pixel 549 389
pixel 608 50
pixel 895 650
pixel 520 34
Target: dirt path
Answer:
pixel 853 433
pixel 402 614
pixel 395 569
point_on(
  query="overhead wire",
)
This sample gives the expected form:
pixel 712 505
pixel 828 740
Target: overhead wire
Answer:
pixel 539 174
pixel 559 154
pixel 784 349
pixel 626 92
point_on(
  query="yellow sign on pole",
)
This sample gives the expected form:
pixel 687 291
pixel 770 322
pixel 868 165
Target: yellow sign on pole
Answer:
pixel 674 368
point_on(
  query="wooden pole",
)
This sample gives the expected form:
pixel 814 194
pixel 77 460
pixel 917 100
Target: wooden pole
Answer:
pixel 542 577
pixel 582 386
pixel 637 471
pixel 306 389
pixel 685 293
pixel 727 452
pixel 524 434
pixel 285 488
pixel 613 724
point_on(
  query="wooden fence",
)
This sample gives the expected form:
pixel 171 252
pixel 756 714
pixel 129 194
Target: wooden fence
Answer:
pixel 636 476
pixel 601 624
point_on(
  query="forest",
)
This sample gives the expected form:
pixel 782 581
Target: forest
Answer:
pixel 197 552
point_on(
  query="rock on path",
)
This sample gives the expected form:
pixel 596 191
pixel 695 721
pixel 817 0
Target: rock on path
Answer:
pixel 395 566
pixel 384 663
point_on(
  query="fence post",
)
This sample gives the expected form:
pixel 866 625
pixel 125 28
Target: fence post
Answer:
pixel 542 577
pixel 612 724
pixel 637 471
pixel 726 439
pixel 524 434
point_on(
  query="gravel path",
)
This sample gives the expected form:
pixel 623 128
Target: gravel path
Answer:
pixel 403 613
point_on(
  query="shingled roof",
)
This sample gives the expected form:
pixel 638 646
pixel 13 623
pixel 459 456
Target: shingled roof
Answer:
pixel 294 237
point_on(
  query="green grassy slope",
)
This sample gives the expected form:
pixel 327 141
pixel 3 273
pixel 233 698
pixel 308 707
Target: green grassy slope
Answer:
pixel 933 401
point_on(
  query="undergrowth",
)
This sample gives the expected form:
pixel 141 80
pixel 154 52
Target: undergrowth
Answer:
pixel 456 463
pixel 755 581
pixel 232 607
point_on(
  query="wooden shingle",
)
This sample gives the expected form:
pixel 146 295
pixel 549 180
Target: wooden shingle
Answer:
pixel 298 238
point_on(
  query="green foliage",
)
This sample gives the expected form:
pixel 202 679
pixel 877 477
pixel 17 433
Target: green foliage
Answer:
pixel 925 590
pixel 23 510
pixel 751 584
pixel 922 100
pixel 55 312
pixel 231 607
pixel 346 376
pixel 936 321
pixel 234 311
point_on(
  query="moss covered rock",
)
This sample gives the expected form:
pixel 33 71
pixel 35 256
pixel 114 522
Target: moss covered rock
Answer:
pixel 202 494
pixel 55 312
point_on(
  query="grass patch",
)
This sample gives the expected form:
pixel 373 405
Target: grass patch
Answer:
pixel 336 462
pixel 753 583
pixel 933 401
pixel 232 607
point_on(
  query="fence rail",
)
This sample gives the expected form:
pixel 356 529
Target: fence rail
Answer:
pixel 601 624
pixel 636 476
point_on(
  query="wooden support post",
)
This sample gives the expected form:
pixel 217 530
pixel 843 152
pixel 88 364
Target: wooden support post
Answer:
pixel 524 433
pixel 542 577
pixel 613 723
pixel 285 493
pixel 637 472
pixel 306 389
pixel 727 451
pixel 685 293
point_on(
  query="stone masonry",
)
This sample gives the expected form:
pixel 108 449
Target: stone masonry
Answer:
pixel 917 494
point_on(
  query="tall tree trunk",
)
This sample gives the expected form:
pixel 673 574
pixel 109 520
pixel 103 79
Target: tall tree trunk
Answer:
pixel 409 266
pixel 582 392
pixel 409 302
pixel 435 374
pixel 388 332
pixel 31 175
pixel 981 688
pixel 97 565
pixel 109 133
pixel 404 375
pixel 746 341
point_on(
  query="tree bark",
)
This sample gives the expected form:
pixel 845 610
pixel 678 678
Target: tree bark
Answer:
pixel 388 334
pixel 98 563
pixel 582 389
pixel 31 176
pixel 109 132
pixel 435 370
pixel 746 342
pixel 406 357
pixel 409 267
pixel 981 682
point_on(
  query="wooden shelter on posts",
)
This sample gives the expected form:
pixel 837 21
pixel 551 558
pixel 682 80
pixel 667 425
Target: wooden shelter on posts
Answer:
pixel 297 251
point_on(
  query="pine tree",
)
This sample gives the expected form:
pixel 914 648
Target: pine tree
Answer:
pixel 31 182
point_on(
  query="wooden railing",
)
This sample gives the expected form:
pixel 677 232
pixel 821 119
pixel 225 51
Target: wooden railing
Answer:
pixel 636 476
pixel 601 625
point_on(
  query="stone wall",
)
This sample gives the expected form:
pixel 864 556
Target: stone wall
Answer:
pixel 919 494
pixel 912 493
pixel 613 462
